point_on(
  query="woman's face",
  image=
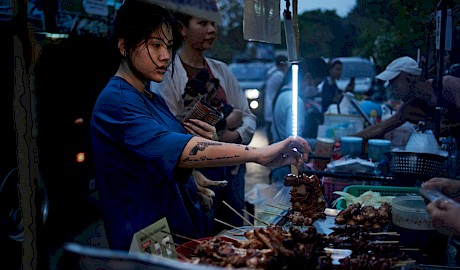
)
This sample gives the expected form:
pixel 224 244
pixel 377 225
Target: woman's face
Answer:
pixel 200 34
pixel 336 71
pixel 152 59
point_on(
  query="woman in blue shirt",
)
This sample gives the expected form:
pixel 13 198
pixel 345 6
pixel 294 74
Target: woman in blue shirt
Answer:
pixel 143 156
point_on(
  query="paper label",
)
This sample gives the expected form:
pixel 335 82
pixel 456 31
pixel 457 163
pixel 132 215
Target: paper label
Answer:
pixel 155 239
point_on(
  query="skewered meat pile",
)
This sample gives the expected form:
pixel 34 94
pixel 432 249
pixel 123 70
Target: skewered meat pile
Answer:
pixel 368 253
pixel 307 199
pixel 276 249
pixel 368 216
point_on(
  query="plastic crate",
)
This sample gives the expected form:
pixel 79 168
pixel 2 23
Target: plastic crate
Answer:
pixel 357 190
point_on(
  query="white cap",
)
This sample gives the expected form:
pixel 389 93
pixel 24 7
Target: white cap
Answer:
pixel 402 64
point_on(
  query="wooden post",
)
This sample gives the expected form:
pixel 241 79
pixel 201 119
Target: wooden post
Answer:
pixel 295 23
pixel 25 56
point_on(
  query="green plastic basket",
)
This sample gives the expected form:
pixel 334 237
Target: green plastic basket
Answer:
pixel 357 190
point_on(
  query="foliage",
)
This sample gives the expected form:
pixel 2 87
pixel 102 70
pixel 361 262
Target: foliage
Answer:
pixel 381 29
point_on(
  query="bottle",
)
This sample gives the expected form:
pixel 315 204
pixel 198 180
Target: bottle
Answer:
pixel 336 152
pixel 374 117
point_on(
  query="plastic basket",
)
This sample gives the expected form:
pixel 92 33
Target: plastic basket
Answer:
pixel 421 165
pixel 357 190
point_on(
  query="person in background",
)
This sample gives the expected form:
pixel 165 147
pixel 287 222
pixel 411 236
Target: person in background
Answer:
pixel 144 157
pixel 311 72
pixel 444 213
pixel 419 100
pixel 239 125
pixel 273 81
pixel 330 93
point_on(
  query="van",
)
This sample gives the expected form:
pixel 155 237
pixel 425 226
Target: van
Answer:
pixel 362 69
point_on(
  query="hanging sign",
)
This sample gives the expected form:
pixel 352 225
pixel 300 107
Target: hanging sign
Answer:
pixel 448 37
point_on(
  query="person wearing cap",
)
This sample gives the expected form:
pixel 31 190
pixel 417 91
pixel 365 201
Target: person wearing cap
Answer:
pixel 273 81
pixel 419 99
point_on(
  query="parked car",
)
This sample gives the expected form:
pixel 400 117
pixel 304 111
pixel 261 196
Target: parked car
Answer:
pixel 251 77
pixel 362 69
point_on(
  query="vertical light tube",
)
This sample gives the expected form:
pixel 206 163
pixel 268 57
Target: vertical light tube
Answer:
pixel 295 97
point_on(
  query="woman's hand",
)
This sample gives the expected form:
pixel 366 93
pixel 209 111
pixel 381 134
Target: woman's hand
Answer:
pixel 291 151
pixel 445 216
pixel 200 128
pixel 449 187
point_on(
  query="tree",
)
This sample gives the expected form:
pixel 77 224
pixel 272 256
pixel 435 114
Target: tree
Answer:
pixel 230 37
pixel 387 29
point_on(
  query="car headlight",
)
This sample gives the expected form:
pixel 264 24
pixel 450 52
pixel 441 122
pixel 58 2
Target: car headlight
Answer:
pixel 252 93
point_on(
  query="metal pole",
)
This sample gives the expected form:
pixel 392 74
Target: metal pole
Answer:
pixel 442 44
pixel 292 52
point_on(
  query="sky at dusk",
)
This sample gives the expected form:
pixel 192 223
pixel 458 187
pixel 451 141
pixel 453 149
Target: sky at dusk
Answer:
pixel 342 7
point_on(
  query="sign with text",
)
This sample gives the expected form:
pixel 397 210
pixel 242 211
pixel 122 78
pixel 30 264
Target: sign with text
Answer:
pixel 155 239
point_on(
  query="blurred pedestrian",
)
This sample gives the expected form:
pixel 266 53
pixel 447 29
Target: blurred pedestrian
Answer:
pixel 330 92
pixel 311 72
pixel 273 81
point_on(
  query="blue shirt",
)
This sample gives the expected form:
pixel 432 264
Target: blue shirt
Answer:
pixel 137 143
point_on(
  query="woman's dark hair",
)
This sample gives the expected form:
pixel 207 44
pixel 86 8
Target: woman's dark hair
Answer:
pixel 333 62
pixel 135 22
pixel 183 18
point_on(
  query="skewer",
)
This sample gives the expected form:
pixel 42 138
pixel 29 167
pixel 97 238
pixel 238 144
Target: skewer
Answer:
pixel 237 234
pixel 274 206
pixel 231 226
pixel 236 212
pixel 268 213
pixel 409 249
pixel 256 218
pixel 385 233
pixel 403 263
pixel 181 236
pixel 288 206
pixel 386 242
pixel 189 248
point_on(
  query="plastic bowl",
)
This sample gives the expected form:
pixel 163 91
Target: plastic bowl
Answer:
pixel 351 145
pixel 410 212
pixel 377 149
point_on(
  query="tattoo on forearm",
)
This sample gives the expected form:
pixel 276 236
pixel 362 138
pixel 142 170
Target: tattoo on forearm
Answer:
pixel 204 158
pixel 201 146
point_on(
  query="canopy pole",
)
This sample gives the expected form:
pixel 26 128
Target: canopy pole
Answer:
pixel 26 53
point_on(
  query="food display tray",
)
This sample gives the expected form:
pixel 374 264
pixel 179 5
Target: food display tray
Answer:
pixel 357 190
